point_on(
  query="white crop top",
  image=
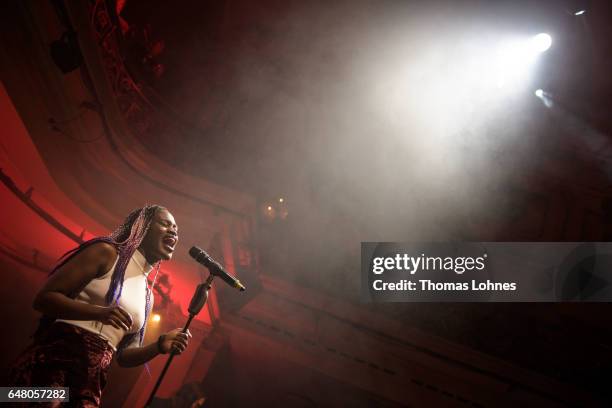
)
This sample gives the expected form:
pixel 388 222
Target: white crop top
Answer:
pixel 133 300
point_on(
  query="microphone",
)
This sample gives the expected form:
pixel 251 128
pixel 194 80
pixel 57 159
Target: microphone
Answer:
pixel 203 258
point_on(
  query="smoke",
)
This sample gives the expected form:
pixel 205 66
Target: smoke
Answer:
pixel 389 123
pixel 380 121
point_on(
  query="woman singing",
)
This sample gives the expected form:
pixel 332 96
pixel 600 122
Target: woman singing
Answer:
pixel 96 304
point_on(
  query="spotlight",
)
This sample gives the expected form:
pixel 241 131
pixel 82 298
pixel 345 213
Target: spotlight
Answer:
pixel 545 97
pixel 541 42
pixel 156 317
pixel 268 211
pixel 281 200
pixel 579 12
pixel 515 57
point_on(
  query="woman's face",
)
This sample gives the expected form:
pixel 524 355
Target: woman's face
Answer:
pixel 161 239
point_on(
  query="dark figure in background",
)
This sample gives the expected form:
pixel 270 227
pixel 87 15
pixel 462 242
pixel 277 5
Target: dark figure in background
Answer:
pixel 95 306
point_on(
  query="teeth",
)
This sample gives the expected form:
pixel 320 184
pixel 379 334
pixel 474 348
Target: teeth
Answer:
pixel 169 243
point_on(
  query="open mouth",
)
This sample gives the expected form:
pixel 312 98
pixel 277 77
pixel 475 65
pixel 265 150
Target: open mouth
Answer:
pixel 169 242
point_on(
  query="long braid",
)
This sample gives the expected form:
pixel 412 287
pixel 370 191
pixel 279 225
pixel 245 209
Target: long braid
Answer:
pixel 126 239
pixel 128 338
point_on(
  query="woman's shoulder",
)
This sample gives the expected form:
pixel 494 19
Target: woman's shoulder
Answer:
pixel 106 254
pixel 103 249
pixel 107 247
pixel 102 253
pixel 90 259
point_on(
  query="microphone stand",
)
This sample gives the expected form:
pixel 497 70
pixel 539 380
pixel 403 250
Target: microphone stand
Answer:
pixel 197 302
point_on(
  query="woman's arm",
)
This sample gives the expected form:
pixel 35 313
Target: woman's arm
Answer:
pixel 173 340
pixel 136 356
pixel 54 299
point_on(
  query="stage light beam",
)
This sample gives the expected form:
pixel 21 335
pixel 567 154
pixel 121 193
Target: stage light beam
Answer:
pixel 449 81
pixel 579 12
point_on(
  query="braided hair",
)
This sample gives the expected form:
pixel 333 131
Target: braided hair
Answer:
pixel 126 239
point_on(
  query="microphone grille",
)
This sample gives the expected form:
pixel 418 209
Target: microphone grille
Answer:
pixel 195 252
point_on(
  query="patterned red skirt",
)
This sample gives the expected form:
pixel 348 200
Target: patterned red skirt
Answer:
pixel 65 356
